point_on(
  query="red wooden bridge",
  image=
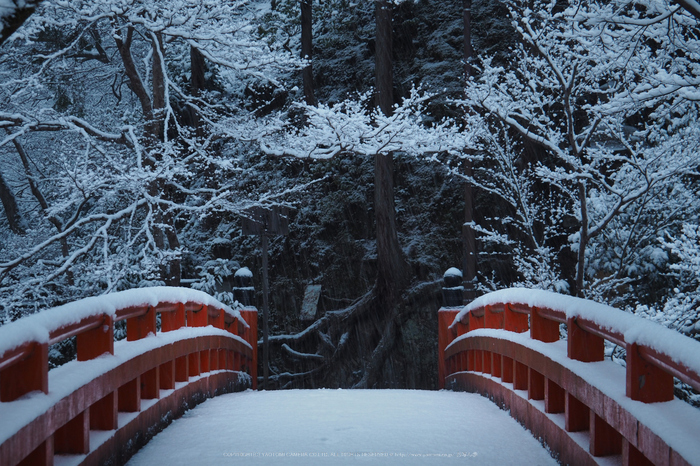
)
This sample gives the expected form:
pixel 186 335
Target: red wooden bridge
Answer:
pixel 183 346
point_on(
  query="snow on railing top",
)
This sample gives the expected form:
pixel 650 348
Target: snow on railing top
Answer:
pixel 38 327
pixel 634 329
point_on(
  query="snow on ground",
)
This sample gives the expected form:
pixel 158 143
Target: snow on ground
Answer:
pixel 308 427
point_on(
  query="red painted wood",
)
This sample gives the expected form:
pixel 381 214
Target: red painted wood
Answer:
pixel 506 369
pixel 129 396
pixel 535 385
pixel 445 337
pixel 166 375
pixel 541 328
pixel 96 341
pixel 478 361
pixel 520 377
pixel 493 317
pixel 63 333
pixel 173 320
pixel 103 413
pixel 234 361
pixel 250 315
pixel 605 440
pixel 26 375
pixel 486 367
pixel 217 317
pixel 193 364
pixel 204 361
pixel 495 364
pixel 214 360
pixel 150 384
pixel 477 319
pixel 514 321
pixel 198 317
pixel 41 455
pixel 141 326
pixel 645 381
pixel 182 370
pixel 582 345
pixel 633 457
pixel 74 437
pixel 31 437
pixel 575 414
pixel 554 397
pixel 471 360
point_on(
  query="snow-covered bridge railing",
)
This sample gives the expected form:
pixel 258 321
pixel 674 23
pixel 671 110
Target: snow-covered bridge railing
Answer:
pixel 101 407
pixel 506 345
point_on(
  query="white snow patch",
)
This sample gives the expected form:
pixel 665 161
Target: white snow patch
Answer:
pixel 680 348
pixel 315 427
pixel 453 271
pixel 243 272
pixel 36 327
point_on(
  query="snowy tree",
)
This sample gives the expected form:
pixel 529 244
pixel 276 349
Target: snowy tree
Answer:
pixel 602 98
pixel 118 140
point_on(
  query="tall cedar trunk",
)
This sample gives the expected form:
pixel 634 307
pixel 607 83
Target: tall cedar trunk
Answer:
pixel 583 241
pixel 468 236
pixel 197 84
pixel 307 50
pixel 9 203
pixel 391 264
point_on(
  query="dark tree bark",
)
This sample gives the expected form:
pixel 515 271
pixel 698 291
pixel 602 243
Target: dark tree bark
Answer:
pixel 197 83
pixel 307 51
pixel 9 203
pixel 384 69
pixel 391 263
pixel 468 236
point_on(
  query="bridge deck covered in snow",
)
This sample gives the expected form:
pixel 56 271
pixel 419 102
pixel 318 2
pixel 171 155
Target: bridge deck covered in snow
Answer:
pixel 307 427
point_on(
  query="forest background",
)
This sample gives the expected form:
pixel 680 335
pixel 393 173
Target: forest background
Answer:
pixel 549 145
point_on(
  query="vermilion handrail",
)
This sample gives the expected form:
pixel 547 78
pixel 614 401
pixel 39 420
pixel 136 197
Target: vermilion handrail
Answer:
pixel 649 370
pixel 214 357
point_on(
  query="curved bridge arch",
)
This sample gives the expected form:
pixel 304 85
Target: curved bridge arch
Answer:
pixel 116 395
pixel 506 346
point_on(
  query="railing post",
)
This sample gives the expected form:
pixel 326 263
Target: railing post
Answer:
pixel 27 375
pixel 554 397
pixel 514 321
pixel 104 413
pixel 582 345
pixel 250 315
pixel 141 326
pixel 605 440
pixel 173 320
pixel 543 329
pixel 646 382
pixel 74 437
pixel 493 318
pixel 97 341
pixel 445 336
pixel 198 318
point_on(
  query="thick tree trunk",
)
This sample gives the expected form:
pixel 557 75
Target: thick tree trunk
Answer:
pixel 384 70
pixel 468 236
pixel 197 83
pixel 307 51
pixel 9 203
pixel 583 241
